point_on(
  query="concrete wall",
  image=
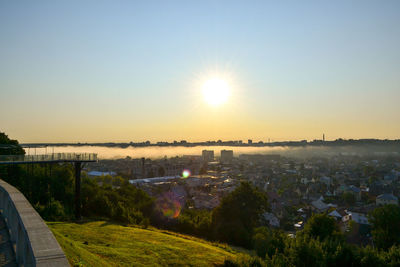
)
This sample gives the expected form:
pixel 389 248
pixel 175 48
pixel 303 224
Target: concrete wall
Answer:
pixel 34 243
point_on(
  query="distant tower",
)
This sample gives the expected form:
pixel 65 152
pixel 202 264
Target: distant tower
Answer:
pixel 323 137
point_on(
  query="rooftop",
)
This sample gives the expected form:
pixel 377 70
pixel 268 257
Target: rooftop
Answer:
pixel 387 197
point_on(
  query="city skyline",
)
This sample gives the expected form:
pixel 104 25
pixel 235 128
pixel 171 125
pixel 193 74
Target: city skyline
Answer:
pixel 121 72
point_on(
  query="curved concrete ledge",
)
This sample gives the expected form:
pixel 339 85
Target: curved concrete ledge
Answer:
pixel 34 243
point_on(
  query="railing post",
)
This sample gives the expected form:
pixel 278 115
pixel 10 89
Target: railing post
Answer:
pixel 78 190
pixel 13 225
pixel 20 245
pixel 7 210
pixel 2 200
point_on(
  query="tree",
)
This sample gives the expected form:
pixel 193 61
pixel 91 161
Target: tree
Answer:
pixel 117 181
pixel 11 174
pixel 267 242
pixel 304 251
pixel 321 226
pixel 9 146
pixel 107 179
pixel 261 239
pixel 348 198
pixel 239 212
pixel 386 226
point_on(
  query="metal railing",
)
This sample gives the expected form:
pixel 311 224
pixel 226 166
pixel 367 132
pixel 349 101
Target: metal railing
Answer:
pixel 60 157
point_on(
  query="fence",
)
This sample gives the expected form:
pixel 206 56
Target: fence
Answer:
pixel 34 243
pixel 60 157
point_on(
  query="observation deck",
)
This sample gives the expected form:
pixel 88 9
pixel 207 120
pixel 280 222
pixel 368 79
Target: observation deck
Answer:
pixel 75 158
pixel 48 158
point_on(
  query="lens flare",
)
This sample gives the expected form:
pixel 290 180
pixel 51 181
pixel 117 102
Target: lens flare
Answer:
pixel 171 209
pixel 170 205
pixel 186 173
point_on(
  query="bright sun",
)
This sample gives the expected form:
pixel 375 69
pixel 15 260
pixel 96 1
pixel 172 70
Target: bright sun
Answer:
pixel 215 91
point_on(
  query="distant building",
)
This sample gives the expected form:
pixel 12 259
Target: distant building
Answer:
pixel 154 179
pixel 325 180
pixel 319 205
pixel 226 156
pixel 385 199
pixel 250 141
pixel 191 157
pixel 355 191
pixel 208 155
pixel 335 214
pixel 98 174
pixel 389 178
pixel 356 225
pixel 271 219
pixel 260 158
pixel 356 217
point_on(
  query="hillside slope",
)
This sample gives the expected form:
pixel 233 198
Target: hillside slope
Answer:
pixel 105 244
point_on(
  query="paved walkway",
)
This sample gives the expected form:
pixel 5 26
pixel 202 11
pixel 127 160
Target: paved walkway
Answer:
pixel 7 255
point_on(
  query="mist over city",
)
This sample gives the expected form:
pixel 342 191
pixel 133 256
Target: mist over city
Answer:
pixel 157 152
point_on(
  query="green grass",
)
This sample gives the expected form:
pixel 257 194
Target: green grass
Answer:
pixel 106 244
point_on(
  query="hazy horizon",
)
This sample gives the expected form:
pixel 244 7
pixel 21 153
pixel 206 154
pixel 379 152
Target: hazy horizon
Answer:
pixel 255 142
pixel 157 152
pixel 98 71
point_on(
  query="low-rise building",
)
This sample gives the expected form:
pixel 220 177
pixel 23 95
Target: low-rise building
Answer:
pixel 385 199
pixel 358 218
pixel 271 219
pixel 99 174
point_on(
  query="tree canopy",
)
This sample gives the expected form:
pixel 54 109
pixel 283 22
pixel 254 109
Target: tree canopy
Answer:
pixel 9 146
pixel 321 226
pixel 386 226
pixel 239 212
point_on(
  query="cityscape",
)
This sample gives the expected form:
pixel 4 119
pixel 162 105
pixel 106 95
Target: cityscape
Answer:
pixel 344 184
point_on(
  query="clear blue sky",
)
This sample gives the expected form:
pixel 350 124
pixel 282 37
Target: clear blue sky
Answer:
pixel 128 70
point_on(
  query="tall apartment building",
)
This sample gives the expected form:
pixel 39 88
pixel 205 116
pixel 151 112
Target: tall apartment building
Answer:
pixel 226 156
pixel 208 155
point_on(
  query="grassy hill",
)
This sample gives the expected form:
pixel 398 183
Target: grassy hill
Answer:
pixel 105 244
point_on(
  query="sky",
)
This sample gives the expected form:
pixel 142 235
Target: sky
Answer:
pixel 99 71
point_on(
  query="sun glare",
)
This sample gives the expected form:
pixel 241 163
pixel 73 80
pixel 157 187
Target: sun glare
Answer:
pixel 215 91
